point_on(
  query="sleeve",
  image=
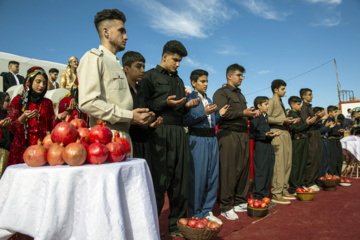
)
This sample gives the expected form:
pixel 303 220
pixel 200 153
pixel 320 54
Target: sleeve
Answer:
pixel 304 112
pixel 255 133
pixel 220 99
pixel 90 77
pixel 154 104
pixel 194 115
pixel 50 116
pixel 14 114
pixel 62 105
pixel 322 128
pixel 271 114
pixel 6 84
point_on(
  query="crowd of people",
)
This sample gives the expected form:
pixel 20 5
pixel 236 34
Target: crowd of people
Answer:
pixel 151 109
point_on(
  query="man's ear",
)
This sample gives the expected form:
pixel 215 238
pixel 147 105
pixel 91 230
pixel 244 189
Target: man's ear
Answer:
pixel 164 56
pixel 105 32
pixel 193 83
pixel 126 69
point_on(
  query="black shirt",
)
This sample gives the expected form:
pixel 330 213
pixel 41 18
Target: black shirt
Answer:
pixel 157 85
pixel 7 136
pixel 334 132
pixel 138 133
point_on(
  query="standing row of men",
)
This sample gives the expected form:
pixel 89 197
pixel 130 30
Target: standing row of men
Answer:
pixel 13 78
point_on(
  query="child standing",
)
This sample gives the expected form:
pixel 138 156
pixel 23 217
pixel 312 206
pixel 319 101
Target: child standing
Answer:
pixel 335 164
pixel 263 154
pixel 300 144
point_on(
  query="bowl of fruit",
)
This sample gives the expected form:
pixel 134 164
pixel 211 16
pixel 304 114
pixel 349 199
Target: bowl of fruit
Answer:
pixel 305 195
pixel 196 229
pixel 345 182
pixel 329 182
pixel 257 208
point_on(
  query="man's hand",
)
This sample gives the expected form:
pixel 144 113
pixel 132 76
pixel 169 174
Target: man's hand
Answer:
pixel 157 123
pixel 333 124
pixel 62 116
pixel 289 120
pixel 319 115
pixel 341 130
pixel 210 109
pixel 310 120
pixel 141 116
pixel 193 103
pixel 71 107
pixel 5 122
pixel 175 103
pixel 249 112
pixel 272 134
pixel 224 110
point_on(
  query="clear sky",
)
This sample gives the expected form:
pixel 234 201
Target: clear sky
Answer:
pixel 271 38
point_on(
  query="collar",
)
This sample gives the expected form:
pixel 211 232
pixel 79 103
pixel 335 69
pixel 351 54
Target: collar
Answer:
pixel 231 88
pixel 307 104
pixel 200 95
pixel 164 71
pixel 108 53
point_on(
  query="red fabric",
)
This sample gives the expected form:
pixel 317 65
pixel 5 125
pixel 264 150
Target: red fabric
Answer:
pixel 35 131
pixel 62 108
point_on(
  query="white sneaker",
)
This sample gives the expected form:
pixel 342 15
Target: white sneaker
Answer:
pixel 212 218
pixel 231 215
pixel 241 207
pixel 315 188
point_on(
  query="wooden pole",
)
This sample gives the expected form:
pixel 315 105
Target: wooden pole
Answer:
pixel 337 78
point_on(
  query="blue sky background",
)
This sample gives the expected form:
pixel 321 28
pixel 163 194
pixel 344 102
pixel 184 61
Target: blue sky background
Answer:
pixel 270 38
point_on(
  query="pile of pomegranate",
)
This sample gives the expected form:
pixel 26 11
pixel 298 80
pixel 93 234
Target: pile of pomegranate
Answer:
pixel 329 177
pixel 259 204
pixel 344 180
pixel 199 223
pixel 303 190
pixel 72 143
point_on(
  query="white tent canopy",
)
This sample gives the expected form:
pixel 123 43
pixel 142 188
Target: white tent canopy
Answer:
pixel 25 64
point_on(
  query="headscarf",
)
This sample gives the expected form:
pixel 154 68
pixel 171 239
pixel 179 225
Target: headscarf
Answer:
pixel 29 95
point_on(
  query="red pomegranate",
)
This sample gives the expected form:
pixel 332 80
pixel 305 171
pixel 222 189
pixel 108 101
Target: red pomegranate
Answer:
pixel 64 132
pixel 78 122
pixel 125 144
pixel 85 144
pixel 74 154
pixel 47 140
pixel 54 154
pixel 35 155
pixel 116 151
pixel 100 133
pixel 97 153
pixel 84 134
pixel 47 146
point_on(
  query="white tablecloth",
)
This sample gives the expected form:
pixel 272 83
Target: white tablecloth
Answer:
pixel 107 201
pixel 352 144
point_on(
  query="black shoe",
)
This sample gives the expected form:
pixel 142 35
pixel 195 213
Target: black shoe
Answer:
pixel 176 233
pixel 271 204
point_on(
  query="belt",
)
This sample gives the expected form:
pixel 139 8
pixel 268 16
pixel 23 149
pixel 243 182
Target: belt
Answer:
pixel 202 132
pixel 234 128
pixel 282 127
pixel 331 137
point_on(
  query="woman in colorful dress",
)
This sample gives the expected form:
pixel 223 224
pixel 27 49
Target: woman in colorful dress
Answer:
pixel 32 115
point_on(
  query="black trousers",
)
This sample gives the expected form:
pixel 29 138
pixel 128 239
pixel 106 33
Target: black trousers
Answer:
pixel 263 162
pixel 142 150
pixel 335 157
pixel 313 161
pixel 299 158
pixel 170 170
pixel 234 178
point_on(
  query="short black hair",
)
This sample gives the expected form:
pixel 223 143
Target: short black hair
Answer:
pixel 276 84
pixel 233 67
pixel 340 117
pixel 53 70
pixel 294 99
pixel 304 91
pixel 318 109
pixel 349 109
pixel 332 108
pixel 194 76
pixel 130 57
pixel 13 62
pixel 108 14
pixel 260 100
pixel 174 47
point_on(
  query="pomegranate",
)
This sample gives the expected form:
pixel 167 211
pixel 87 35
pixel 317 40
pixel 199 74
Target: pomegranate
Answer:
pixel 200 224
pixel 85 144
pixel 213 225
pixel 100 133
pixel 125 143
pixel 64 132
pixel 97 153
pixel 74 154
pixel 47 146
pixel 35 155
pixel 263 205
pixel 116 151
pixel 191 223
pixel 250 201
pixel 78 122
pixel 266 200
pixel 183 221
pixel 47 140
pixel 84 134
pixel 257 204
pixel 54 154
